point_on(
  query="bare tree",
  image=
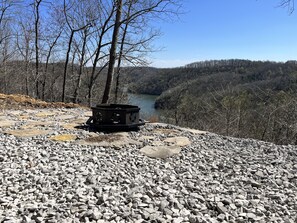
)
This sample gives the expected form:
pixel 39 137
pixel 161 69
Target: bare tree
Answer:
pixel 112 53
pixel 125 29
pixel 7 20
pixel 24 43
pixel 88 13
pixel 103 33
pixel 106 12
pixel 53 30
pixel 37 26
pixel 48 56
pixel 4 8
pixel 289 4
pixel 73 27
pixel 148 10
pixel 81 65
pixel 136 37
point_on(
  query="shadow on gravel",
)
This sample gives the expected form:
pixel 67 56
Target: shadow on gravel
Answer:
pixel 95 129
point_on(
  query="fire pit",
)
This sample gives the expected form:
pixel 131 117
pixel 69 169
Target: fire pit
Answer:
pixel 115 117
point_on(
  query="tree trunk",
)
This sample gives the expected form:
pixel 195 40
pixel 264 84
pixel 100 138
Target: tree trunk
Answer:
pixel 66 65
pixel 112 56
pixel 120 56
pixel 81 65
pixel 47 62
pixel 93 77
pixel 37 2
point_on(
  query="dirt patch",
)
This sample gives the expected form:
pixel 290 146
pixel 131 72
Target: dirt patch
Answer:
pixel 103 138
pixel 166 131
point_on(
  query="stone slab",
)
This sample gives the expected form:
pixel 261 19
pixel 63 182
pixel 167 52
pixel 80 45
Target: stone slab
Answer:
pixel 70 126
pixel 63 137
pixel 45 114
pixel 178 141
pixel 6 123
pixel 160 151
pixel 28 132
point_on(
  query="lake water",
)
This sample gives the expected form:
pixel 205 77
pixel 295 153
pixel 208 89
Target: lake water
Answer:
pixel 146 104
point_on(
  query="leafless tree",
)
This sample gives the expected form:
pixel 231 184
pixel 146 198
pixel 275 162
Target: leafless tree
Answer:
pixel 24 44
pixel 7 11
pixel 36 6
pixel 4 7
pixel 88 12
pixel 73 27
pixel 54 28
pixel 106 34
pixel 100 57
pixel 147 10
pixel 289 4
pixel 51 46
pixel 112 53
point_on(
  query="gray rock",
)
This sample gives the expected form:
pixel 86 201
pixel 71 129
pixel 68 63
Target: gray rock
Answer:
pixel 221 217
pixel 251 216
pixel 213 179
pixel 221 208
pixel 160 151
pixel 197 196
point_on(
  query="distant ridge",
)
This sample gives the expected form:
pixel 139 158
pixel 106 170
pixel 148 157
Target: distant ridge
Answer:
pixel 231 63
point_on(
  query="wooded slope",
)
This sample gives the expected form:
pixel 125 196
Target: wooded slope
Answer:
pixel 234 97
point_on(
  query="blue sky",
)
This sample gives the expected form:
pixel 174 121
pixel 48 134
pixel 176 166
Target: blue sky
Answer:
pixel 227 29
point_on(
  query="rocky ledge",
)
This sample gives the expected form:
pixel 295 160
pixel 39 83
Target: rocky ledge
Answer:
pixel 52 169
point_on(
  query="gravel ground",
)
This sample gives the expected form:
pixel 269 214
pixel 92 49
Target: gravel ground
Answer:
pixel 215 179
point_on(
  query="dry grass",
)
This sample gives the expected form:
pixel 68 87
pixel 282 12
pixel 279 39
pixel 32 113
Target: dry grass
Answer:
pixel 153 119
pixel 17 101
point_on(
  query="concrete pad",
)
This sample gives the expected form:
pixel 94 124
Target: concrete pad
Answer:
pixel 160 151
pixel 28 132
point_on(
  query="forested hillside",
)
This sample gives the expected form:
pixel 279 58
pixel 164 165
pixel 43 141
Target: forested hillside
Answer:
pixel 72 50
pixel 242 98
